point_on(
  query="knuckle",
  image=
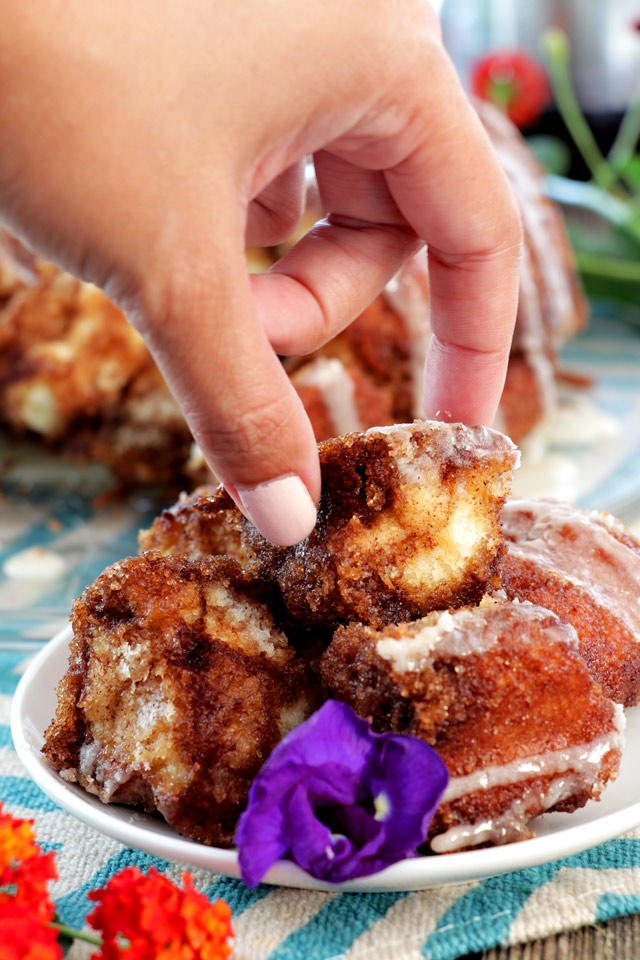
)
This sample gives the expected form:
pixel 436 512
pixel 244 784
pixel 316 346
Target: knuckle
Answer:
pixel 250 440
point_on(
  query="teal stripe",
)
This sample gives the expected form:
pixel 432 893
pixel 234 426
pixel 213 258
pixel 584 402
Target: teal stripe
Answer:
pixel 8 676
pixel 482 918
pixel 616 905
pixel 47 847
pixel 239 897
pixel 74 907
pixel 336 926
pixel 19 791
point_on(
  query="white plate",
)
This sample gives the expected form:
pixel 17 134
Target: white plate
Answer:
pixel 557 835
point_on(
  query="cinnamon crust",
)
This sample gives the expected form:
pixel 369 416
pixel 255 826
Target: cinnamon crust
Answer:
pixel 179 686
pixel 501 692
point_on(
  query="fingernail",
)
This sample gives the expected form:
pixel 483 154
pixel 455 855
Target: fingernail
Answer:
pixel 281 509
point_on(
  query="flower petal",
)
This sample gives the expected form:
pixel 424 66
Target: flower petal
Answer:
pixel 413 778
pixel 340 800
pixel 333 734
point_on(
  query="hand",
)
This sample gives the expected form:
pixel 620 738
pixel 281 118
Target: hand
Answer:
pixel 146 144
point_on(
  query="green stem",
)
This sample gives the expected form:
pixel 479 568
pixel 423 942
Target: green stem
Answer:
pixel 605 267
pixel 616 211
pixel 624 145
pixel 557 50
pixel 76 934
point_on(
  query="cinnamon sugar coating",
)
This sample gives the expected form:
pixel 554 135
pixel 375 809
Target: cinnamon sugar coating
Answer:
pixel 76 375
pixel 179 686
pixel 202 524
pixel 585 566
pixel 408 522
pixel 501 692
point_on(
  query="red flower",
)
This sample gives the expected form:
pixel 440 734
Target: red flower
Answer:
pixel 150 918
pixel 23 935
pixel 513 81
pixel 140 917
pixel 25 908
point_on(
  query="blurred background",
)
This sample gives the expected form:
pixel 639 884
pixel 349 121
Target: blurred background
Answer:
pixel 602 33
pixel 93 447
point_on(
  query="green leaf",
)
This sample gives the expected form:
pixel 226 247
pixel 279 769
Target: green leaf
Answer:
pixel 631 171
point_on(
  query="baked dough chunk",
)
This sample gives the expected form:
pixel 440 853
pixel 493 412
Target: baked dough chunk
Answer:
pixel 340 398
pixel 408 522
pixel 74 373
pixel 179 686
pixel 202 524
pixel 501 692
pixel 585 566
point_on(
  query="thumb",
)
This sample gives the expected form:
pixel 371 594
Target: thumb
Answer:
pixel 202 329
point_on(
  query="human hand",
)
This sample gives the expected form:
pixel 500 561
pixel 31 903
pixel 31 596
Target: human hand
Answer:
pixel 145 145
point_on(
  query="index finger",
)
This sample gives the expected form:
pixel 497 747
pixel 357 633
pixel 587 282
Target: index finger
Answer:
pixel 454 193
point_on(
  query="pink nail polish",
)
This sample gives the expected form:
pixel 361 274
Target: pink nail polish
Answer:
pixel 281 509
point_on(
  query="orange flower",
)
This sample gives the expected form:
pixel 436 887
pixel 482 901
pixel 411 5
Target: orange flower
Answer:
pixel 513 81
pixel 23 935
pixel 150 918
pixel 25 908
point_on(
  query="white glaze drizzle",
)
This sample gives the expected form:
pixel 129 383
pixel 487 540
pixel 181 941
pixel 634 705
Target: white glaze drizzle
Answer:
pixel 329 376
pixel 451 443
pixel 34 563
pixel 533 207
pixel 574 770
pixel 583 758
pixel 465 632
pixel 512 824
pixel 578 545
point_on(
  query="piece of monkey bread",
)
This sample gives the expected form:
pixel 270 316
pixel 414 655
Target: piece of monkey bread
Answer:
pixel 408 522
pixel 178 687
pixel 585 566
pixel 501 692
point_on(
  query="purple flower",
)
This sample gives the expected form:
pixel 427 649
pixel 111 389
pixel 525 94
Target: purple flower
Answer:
pixel 339 800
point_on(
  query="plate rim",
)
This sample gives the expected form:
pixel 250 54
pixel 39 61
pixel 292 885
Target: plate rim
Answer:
pixel 412 874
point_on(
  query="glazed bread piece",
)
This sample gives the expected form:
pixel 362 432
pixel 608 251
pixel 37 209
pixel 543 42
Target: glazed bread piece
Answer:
pixel 202 524
pixel 408 522
pixel 75 374
pixel 585 566
pixel 179 686
pixel 387 343
pixel 340 398
pixel 501 692
pixel 552 306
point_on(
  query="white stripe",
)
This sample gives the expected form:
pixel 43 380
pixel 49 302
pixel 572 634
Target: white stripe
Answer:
pixel 10 764
pixel 264 925
pixel 570 900
pixel 82 951
pixel 406 925
pixel 202 879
